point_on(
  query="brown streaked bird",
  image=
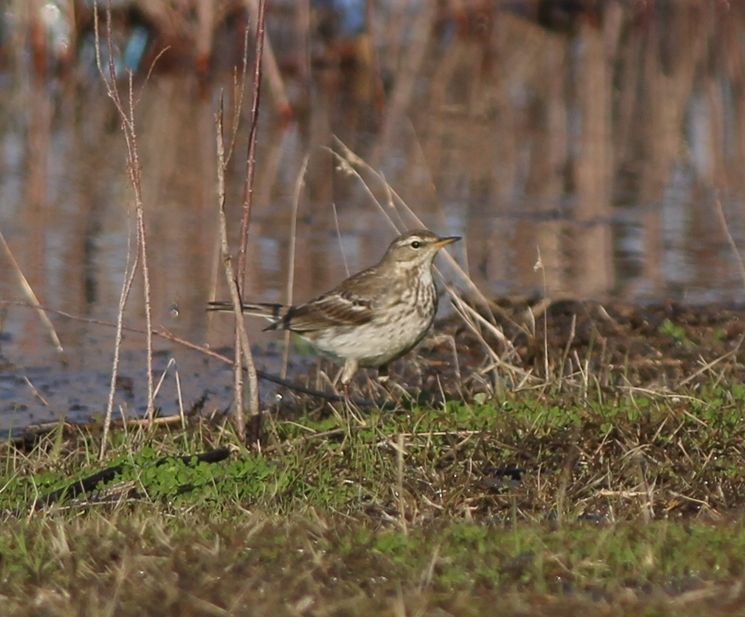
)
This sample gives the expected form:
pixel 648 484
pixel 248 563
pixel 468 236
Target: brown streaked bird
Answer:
pixel 373 317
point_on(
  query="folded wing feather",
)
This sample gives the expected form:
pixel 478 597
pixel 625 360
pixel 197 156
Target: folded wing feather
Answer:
pixel 336 309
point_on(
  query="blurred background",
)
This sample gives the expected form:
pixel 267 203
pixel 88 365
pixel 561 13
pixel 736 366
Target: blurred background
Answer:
pixel 594 137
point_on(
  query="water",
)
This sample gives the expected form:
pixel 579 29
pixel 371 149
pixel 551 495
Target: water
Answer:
pixel 597 151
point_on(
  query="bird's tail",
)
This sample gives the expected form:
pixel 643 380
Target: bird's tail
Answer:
pixel 272 312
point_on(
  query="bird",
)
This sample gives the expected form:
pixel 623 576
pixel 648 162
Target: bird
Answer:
pixel 371 318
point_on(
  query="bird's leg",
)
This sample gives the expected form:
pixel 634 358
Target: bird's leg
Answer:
pixel 383 382
pixel 345 376
pixel 350 368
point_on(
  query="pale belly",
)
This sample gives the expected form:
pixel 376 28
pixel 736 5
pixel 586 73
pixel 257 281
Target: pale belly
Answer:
pixel 373 344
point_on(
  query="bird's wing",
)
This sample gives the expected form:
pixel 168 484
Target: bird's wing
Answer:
pixel 350 304
pixel 336 308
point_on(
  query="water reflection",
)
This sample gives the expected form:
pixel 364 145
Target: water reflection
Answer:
pixel 600 147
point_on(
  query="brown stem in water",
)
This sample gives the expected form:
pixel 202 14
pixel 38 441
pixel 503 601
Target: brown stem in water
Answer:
pixel 248 189
pixel 243 347
pixel 291 258
pixel 126 115
pixel 29 293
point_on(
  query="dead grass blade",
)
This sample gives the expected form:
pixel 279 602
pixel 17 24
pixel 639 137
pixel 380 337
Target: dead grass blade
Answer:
pixel 730 240
pixel 30 295
pixel 292 240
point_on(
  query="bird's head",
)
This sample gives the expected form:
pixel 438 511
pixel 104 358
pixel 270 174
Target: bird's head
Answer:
pixel 416 248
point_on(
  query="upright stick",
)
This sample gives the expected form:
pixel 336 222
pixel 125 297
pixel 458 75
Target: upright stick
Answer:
pixel 248 189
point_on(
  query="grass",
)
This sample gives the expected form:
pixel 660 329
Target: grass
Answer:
pixel 132 562
pixel 674 331
pixel 533 505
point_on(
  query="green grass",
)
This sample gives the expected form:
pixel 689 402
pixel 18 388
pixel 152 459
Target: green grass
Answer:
pixel 261 564
pixel 575 456
pixel 674 331
pixel 535 505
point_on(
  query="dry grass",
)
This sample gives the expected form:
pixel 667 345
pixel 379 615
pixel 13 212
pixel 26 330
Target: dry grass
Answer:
pixel 538 504
pixel 145 564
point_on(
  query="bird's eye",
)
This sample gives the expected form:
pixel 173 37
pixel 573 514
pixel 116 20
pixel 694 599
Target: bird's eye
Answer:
pixel 416 244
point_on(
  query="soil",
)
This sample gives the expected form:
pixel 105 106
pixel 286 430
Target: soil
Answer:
pixel 658 345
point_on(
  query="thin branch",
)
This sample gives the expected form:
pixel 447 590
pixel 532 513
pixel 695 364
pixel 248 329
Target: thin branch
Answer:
pixel 29 293
pixel 136 177
pixel 339 239
pixel 299 183
pixel 248 185
pixel 730 240
pixel 127 117
pixel 131 270
pixel 273 74
pixel 239 91
pixel 248 189
pixel 150 72
pixel 242 349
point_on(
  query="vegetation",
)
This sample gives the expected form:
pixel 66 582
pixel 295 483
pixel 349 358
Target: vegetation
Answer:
pixel 537 503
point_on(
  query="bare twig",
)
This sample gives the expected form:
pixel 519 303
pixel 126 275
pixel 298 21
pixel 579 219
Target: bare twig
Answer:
pixel 248 189
pixel 707 366
pixel 539 266
pixel 131 268
pixel 338 237
pixel 127 117
pixel 248 185
pixel 730 239
pixel 239 91
pixel 35 391
pixel 135 178
pixel 291 258
pixel 180 399
pixel 274 75
pixel 29 293
pixel 242 348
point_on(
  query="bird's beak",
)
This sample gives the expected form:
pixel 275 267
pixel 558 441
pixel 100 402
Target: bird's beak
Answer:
pixel 440 242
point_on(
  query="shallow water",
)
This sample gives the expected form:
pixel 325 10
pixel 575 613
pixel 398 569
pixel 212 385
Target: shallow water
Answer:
pixel 597 151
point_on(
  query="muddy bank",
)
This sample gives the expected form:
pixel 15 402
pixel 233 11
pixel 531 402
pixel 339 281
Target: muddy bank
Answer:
pixel 515 345
pixel 667 345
